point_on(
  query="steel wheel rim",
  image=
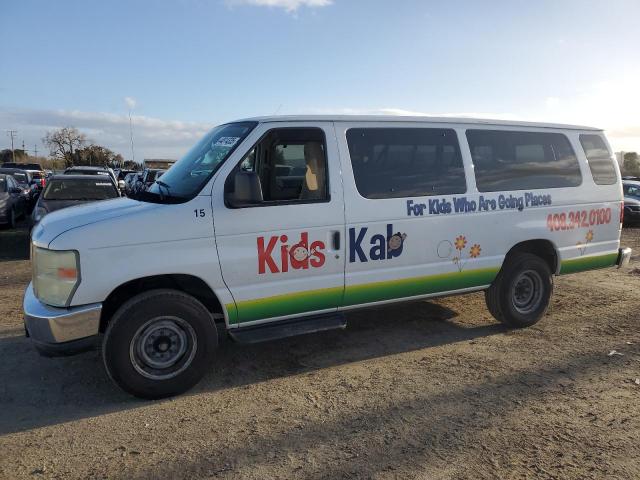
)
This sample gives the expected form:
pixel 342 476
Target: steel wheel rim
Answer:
pixel 163 347
pixel 526 293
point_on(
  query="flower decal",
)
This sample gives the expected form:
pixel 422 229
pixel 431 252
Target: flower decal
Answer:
pixel 460 242
pixel 588 238
pixel 459 259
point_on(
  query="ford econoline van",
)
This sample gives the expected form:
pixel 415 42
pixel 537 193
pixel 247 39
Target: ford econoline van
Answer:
pixel 271 227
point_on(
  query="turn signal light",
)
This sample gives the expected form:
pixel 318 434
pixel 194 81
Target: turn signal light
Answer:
pixel 67 273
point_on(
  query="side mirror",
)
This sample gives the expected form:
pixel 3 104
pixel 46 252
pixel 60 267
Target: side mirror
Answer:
pixel 242 189
pixel 121 184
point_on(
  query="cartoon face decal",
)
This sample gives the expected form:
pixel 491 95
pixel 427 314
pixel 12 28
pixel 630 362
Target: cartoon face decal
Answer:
pixel 396 242
pixel 299 253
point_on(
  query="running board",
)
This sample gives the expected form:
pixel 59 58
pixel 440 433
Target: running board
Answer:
pixel 288 328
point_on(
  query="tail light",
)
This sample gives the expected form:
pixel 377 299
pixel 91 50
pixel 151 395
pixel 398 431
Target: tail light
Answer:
pixel 42 183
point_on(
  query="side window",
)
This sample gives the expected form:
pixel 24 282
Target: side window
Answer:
pixel 508 160
pixel 599 158
pixel 288 165
pixel 405 162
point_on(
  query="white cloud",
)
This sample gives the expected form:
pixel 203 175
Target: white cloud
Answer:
pixel 130 102
pixel 153 137
pixel 288 5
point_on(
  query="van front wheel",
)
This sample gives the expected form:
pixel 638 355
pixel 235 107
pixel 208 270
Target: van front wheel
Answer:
pixel 520 294
pixel 159 344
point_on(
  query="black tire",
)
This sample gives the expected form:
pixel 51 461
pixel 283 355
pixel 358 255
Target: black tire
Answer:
pixel 520 294
pixel 160 343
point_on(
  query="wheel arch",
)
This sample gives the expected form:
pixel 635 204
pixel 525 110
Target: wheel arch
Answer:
pixel 540 247
pixel 189 284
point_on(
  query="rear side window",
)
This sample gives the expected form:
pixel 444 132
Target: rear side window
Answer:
pixel 406 162
pixel 508 160
pixel 599 158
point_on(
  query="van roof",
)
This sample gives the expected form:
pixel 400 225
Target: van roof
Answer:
pixel 418 119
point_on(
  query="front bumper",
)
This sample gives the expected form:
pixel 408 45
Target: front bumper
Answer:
pixel 624 257
pixel 60 330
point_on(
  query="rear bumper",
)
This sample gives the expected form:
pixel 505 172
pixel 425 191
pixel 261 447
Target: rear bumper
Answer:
pixel 59 331
pixel 624 256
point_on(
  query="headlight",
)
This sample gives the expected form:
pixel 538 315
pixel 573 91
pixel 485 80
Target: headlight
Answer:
pixel 56 274
pixel 38 213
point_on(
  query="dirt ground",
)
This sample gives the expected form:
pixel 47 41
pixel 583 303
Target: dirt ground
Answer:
pixel 433 390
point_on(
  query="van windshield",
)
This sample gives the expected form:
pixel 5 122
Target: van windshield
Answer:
pixel 187 177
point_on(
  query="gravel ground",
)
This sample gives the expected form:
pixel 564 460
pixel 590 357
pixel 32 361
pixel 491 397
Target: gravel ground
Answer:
pixel 434 390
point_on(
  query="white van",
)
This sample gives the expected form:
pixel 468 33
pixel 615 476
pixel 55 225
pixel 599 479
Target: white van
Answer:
pixel 276 226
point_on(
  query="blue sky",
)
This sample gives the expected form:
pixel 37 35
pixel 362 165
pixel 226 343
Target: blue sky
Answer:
pixel 189 64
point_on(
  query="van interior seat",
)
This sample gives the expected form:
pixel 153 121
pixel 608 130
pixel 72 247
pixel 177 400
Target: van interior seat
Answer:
pixel 315 175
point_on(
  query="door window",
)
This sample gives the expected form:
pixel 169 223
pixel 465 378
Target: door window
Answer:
pixel 288 165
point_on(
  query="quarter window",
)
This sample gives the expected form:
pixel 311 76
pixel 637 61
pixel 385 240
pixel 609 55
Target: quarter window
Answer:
pixel 508 160
pixel 406 162
pixel 599 158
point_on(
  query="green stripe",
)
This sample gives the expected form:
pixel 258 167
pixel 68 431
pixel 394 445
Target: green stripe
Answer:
pixel 289 304
pixel 588 263
pixel 410 287
pixel 311 300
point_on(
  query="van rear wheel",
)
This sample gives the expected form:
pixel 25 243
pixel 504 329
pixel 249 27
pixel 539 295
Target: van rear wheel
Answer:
pixel 158 344
pixel 520 294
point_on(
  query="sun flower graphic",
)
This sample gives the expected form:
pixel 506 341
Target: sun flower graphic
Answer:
pixel 589 235
pixel 460 242
pixel 460 259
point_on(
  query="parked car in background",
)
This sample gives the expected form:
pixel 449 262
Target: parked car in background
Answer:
pixel 631 190
pixel 68 190
pixel 25 182
pixel 12 201
pixel 38 176
pixel 86 170
pixel 129 181
pixel 149 176
pixel 23 166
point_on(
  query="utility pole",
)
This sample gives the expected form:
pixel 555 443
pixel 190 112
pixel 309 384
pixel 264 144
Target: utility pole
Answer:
pixel 35 151
pixel 12 134
pixel 133 155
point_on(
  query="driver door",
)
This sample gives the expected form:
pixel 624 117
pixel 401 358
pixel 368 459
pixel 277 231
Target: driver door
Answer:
pixel 281 246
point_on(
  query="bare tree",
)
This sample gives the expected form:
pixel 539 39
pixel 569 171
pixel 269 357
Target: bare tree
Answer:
pixel 62 142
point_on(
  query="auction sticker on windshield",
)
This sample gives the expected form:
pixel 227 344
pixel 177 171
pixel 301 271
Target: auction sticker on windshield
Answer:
pixel 226 142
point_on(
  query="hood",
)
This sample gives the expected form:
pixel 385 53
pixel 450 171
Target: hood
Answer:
pixel 69 217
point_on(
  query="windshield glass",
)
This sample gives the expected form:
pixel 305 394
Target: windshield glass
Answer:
pixel 79 189
pixel 187 176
